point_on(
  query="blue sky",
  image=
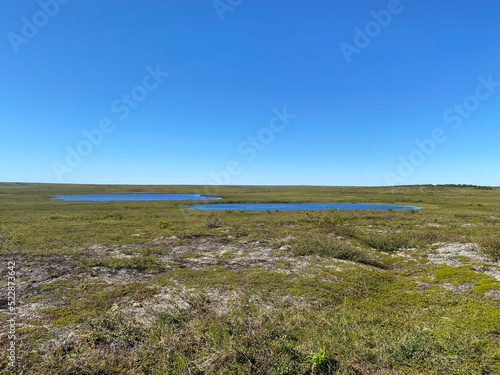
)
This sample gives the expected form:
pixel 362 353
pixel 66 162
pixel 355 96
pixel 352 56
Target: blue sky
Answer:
pixel 250 92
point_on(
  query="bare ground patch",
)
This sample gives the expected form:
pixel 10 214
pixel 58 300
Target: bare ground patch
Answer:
pixel 37 274
pixel 455 255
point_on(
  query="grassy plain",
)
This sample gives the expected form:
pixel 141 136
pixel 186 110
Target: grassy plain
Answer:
pixel 155 288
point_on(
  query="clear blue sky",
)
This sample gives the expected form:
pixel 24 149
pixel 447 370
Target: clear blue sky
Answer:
pixel 364 79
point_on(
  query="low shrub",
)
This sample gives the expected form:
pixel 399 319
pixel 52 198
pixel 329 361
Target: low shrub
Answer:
pixel 393 241
pixel 342 230
pixel 490 245
pixel 388 241
pixel 162 224
pixel 109 216
pixel 330 217
pixel 212 220
pixel 331 247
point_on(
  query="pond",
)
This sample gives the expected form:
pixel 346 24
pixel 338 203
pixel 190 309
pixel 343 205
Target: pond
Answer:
pixel 299 206
pixel 134 197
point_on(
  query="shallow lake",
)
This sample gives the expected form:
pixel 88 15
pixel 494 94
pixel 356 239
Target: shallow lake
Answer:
pixel 299 206
pixel 134 197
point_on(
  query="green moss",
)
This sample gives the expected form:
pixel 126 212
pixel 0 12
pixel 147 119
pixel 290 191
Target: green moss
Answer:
pixel 462 258
pixel 462 274
pixel 484 285
pixel 459 275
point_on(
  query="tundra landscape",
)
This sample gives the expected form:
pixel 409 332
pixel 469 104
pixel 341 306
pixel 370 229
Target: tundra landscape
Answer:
pixel 153 287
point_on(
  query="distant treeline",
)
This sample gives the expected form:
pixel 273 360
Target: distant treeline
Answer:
pixel 479 187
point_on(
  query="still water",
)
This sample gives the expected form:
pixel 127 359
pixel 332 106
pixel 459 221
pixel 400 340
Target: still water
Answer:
pixel 299 206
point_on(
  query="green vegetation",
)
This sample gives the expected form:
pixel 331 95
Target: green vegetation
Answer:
pixel 326 246
pixel 491 245
pixel 212 220
pixel 163 224
pixel 155 288
pixel 317 360
pixel 463 274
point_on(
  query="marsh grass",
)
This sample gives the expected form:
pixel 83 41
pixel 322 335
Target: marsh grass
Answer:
pixel 9 236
